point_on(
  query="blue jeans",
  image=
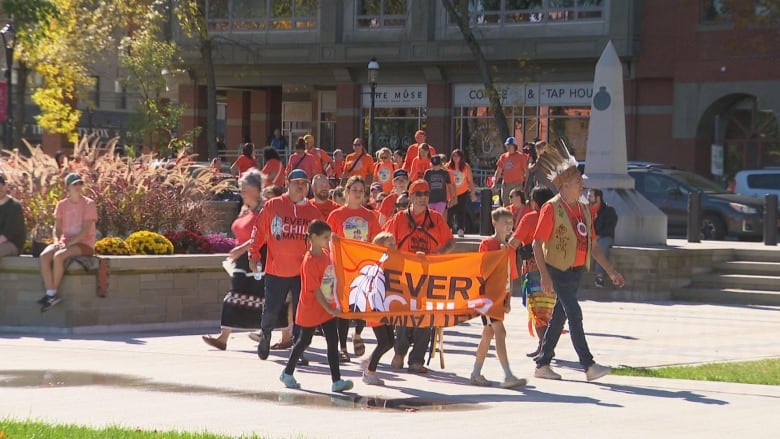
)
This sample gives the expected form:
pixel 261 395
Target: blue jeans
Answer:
pixel 605 243
pixel 276 289
pixel 565 284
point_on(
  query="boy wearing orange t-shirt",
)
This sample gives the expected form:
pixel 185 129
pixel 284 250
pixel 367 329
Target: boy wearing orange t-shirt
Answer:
pixel 502 223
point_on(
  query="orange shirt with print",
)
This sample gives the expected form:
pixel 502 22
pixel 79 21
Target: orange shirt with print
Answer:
pixel 359 224
pixel 524 232
pixel 427 232
pixel 355 164
pixel 383 174
pixel 244 163
pixel 273 173
pixel 411 154
pixel 325 208
pixel 310 312
pixel 544 229
pixel 491 244
pixel 388 205
pixel 515 167
pixel 461 179
pixel 306 162
pixel 419 166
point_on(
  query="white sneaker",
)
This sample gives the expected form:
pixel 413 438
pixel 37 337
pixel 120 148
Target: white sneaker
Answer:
pixel 513 381
pixel 546 373
pixel 596 371
pixel 373 380
pixel 364 364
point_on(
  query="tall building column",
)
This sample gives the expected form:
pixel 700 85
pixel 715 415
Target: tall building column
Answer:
pixel 439 120
pixel 348 116
pixel 237 117
pixel 265 114
pixel 194 99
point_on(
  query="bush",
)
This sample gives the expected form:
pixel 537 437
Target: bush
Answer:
pixel 112 246
pixel 221 244
pixel 140 194
pixel 149 243
pixel 188 241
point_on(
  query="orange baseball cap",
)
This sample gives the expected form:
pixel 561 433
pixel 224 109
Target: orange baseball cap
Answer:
pixel 419 186
pixel 419 133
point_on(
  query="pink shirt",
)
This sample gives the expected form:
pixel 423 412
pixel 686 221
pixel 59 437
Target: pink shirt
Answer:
pixel 72 217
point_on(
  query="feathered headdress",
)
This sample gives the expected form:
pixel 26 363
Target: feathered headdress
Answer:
pixel 556 163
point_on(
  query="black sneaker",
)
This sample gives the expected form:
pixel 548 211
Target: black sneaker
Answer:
pixel 43 300
pixel 303 361
pixel 264 347
pixel 50 301
pixel 599 283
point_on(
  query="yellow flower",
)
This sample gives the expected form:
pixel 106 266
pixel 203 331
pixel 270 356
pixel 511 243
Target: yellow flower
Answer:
pixel 112 246
pixel 149 243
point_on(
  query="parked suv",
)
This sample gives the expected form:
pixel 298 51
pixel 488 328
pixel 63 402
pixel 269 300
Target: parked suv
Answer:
pixel 758 182
pixel 723 213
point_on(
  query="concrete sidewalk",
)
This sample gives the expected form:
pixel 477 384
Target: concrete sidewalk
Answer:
pixel 175 381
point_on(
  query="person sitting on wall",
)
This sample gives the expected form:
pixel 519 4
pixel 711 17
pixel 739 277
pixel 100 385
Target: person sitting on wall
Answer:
pixel 12 231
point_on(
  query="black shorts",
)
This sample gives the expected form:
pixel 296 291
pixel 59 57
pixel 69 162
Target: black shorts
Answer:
pixel 486 321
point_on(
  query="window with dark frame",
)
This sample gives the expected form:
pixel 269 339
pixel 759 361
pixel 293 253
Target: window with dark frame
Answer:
pixel 261 15
pixel 381 13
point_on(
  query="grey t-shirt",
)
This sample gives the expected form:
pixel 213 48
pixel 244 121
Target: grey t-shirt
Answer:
pixel 438 181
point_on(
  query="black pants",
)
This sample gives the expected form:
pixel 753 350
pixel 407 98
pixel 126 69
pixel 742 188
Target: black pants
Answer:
pixel 344 330
pixel 457 213
pixel 385 339
pixel 276 289
pixel 330 330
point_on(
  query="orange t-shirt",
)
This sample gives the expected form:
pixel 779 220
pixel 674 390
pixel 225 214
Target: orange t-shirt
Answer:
pixel 524 232
pixel 461 179
pixel 411 154
pixel 243 225
pixel 325 208
pixel 517 213
pixel 273 172
pixel 383 174
pixel 427 232
pixel 321 157
pixel 359 224
pixel 310 312
pixel 307 163
pixel 357 165
pixel 514 166
pixel 419 166
pixel 490 244
pixel 244 163
pixel 336 169
pixel 544 229
pixel 283 225
pixel 388 205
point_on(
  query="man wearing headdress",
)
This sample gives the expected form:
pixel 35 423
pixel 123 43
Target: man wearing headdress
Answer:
pixel 563 246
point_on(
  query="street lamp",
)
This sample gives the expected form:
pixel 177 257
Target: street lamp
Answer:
pixel 373 75
pixel 9 41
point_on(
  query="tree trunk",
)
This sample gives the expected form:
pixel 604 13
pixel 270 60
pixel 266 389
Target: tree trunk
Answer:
pixel 460 16
pixel 20 109
pixel 211 93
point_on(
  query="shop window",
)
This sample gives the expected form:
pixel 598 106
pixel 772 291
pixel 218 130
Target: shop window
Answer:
pixel 395 127
pixel 261 15
pixel 715 11
pixel 381 13
pixel 509 12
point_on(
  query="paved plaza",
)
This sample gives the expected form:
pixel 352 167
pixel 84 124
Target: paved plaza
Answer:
pixel 175 381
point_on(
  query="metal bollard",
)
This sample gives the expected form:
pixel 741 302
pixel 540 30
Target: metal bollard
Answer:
pixel 485 207
pixel 694 217
pixel 770 220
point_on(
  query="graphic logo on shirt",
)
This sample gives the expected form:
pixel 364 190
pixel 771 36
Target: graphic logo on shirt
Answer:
pixel 459 177
pixel 276 227
pixel 384 175
pixel 289 228
pixel 356 228
pixel 509 164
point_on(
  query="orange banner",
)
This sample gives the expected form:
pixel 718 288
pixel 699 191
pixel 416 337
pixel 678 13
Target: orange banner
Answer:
pixel 383 285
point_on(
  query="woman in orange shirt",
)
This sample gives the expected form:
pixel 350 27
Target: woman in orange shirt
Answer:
pixel 359 162
pixel 421 163
pixel 245 161
pixel 383 169
pixel 353 221
pixel 273 171
pixel 460 171
pixel 315 308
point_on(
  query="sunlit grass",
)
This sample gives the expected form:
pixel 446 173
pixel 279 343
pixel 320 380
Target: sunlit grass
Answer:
pixel 14 429
pixel 750 372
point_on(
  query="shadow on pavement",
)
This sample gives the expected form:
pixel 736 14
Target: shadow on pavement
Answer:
pixel 660 393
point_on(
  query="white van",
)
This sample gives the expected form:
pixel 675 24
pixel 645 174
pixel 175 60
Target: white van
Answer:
pixel 758 182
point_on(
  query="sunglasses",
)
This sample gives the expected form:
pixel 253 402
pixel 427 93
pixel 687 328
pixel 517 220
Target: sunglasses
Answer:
pixel 422 194
pixel 357 144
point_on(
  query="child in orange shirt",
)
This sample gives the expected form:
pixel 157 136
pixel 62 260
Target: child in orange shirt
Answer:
pixel 502 223
pixel 421 163
pixel 517 205
pixel 315 309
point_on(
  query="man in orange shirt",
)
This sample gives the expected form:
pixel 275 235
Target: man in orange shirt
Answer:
pixel 318 153
pixel 283 225
pixel 422 231
pixel 321 190
pixel 411 151
pixel 359 162
pixel 513 167
pixel 302 160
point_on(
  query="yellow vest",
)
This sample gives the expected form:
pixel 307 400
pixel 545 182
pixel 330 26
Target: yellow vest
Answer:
pixel 560 251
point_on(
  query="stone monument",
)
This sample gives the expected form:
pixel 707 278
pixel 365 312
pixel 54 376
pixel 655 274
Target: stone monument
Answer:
pixel 639 221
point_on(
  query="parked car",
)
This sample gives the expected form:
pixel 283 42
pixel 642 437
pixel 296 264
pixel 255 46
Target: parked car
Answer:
pixel 758 182
pixel 723 213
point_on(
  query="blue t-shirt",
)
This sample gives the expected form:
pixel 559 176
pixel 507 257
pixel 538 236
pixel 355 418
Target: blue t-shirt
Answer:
pixel 437 179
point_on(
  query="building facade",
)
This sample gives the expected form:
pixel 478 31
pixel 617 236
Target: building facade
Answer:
pixel 301 65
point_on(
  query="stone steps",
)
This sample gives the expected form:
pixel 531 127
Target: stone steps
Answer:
pixel 727 295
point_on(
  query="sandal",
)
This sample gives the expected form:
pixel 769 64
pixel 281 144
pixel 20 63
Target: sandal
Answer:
pixel 282 345
pixel 214 342
pixel 358 346
pixel 343 357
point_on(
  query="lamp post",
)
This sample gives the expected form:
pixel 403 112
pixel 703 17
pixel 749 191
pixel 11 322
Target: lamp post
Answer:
pixel 8 34
pixel 373 75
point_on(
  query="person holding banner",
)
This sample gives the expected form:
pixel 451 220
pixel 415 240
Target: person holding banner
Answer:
pixel 315 308
pixel 422 231
pixel 503 222
pixel 282 224
pixel 353 221
pixel 563 246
